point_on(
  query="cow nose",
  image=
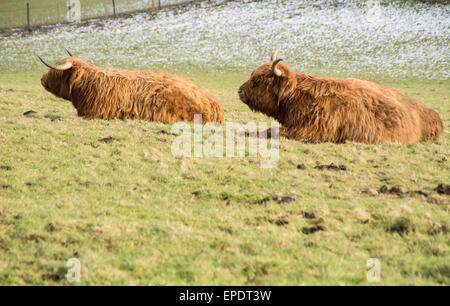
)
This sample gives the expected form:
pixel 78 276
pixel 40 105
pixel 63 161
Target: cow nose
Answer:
pixel 240 91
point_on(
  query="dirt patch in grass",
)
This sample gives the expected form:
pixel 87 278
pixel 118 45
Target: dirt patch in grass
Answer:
pixel 3 243
pixel 312 229
pixel 282 220
pixel 434 228
pixel 53 117
pixel 331 166
pixel 310 141
pixel 51 277
pixel 276 198
pixel 442 160
pixel 58 275
pixel 33 238
pixel 400 190
pixel 316 226
pixel 285 219
pixel 418 192
pixel 53 227
pixel 255 282
pixel 30 113
pixel 256 270
pixel 400 225
pixel 308 215
pixel 164 132
pixel 393 190
pixel 107 139
pixel 443 189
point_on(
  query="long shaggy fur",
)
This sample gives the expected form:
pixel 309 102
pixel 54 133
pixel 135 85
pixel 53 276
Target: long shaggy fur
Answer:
pixel 120 94
pixel 333 110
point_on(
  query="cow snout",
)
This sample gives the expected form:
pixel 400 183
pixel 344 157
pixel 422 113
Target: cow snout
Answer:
pixel 241 94
pixel 44 82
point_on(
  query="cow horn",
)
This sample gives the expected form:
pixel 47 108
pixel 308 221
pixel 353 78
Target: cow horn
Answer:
pixel 70 54
pixel 275 70
pixel 61 67
pixel 275 54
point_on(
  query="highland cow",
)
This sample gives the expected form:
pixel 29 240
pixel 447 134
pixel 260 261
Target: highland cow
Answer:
pixel 334 110
pixel 121 94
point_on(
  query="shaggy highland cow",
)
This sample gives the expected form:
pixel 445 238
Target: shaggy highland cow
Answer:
pixel 120 94
pixel 333 110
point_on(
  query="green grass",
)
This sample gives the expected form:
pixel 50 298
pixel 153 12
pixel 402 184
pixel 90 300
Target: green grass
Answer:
pixel 133 214
pixel 41 12
pixel 44 12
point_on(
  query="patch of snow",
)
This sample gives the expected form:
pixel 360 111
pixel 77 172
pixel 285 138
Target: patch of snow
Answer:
pixel 401 40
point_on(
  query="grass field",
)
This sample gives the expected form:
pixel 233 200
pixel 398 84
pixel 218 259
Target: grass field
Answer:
pixel 134 214
pixel 43 12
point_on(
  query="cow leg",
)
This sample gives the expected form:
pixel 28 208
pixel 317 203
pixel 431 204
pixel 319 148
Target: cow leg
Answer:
pixel 296 134
pixel 282 132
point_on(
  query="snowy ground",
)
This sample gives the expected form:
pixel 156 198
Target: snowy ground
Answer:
pixel 339 37
pixel 127 6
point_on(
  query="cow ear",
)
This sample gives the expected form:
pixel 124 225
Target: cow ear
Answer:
pixel 287 79
pixel 280 70
pixel 275 68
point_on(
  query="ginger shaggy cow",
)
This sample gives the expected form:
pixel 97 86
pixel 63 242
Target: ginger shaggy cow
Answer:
pixel 333 110
pixel 120 94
